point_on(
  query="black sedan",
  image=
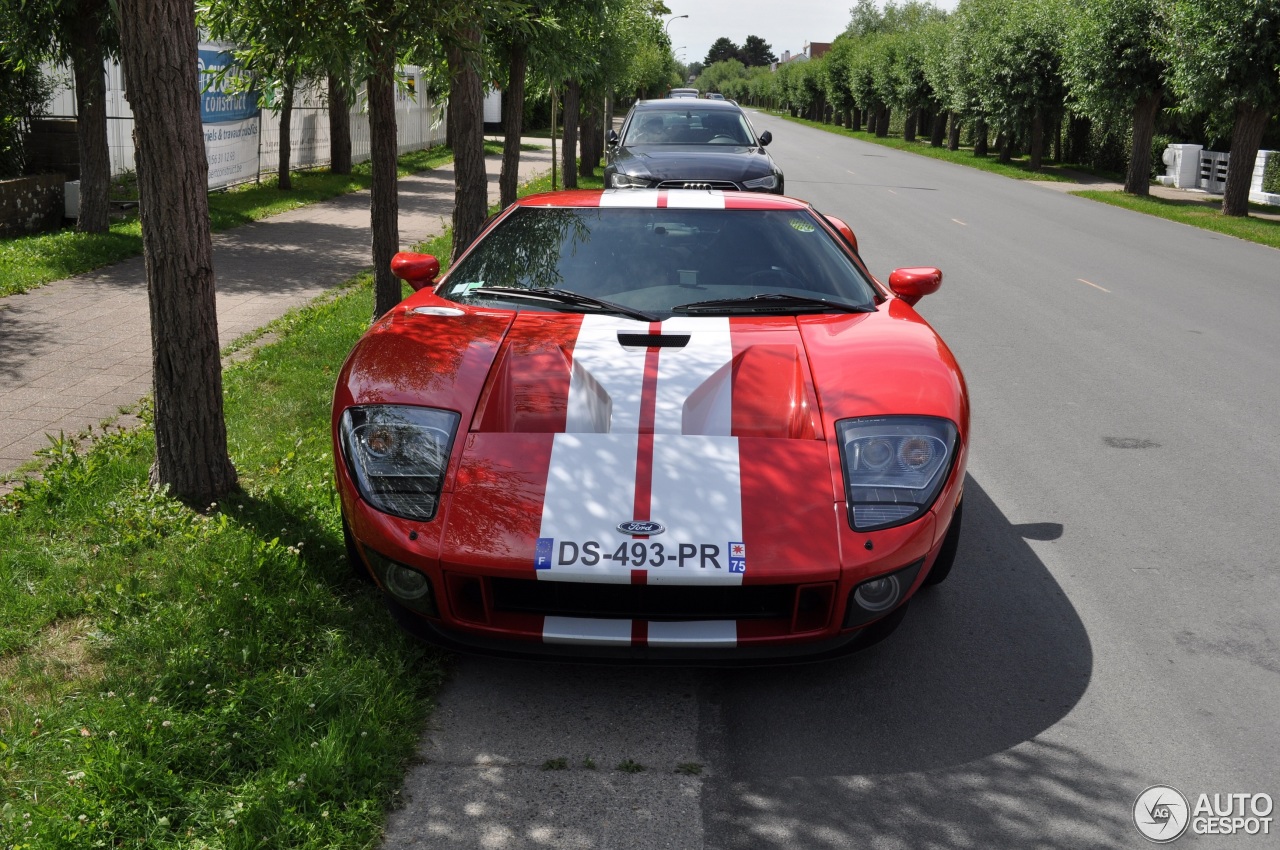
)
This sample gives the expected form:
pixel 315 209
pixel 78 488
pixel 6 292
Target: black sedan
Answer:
pixel 683 144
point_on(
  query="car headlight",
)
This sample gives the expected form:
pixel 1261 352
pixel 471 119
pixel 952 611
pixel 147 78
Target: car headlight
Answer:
pixel 398 455
pixel 770 182
pixel 894 467
pixel 618 180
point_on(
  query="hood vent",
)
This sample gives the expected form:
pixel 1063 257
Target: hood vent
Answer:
pixel 653 340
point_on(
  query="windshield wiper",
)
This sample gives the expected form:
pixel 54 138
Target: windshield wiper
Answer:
pixel 560 296
pixel 772 302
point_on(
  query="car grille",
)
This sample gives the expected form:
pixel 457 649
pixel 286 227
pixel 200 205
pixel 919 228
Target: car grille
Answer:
pixel 722 185
pixel 643 602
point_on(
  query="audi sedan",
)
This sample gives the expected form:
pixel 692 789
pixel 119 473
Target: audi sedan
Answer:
pixel 675 426
pixel 679 144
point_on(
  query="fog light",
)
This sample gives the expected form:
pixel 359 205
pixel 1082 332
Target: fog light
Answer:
pixel 405 584
pixel 878 594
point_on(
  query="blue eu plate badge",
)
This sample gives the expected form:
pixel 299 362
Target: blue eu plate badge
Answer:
pixel 542 554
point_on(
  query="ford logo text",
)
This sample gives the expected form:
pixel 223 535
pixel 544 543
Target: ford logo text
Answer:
pixel 638 526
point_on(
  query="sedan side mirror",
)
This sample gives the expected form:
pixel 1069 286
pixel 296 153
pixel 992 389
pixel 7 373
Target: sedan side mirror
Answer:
pixel 765 138
pixel 612 138
pixel 417 270
pixel 915 283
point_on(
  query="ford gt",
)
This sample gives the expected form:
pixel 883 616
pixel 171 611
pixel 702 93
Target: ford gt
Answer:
pixel 662 425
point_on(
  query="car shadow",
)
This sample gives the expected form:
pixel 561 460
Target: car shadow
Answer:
pixel 931 737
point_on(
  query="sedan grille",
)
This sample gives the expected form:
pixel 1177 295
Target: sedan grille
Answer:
pixel 722 185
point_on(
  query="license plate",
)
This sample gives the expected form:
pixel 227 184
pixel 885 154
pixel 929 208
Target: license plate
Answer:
pixel 640 555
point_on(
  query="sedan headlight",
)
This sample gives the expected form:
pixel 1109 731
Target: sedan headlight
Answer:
pixel 894 467
pixel 770 182
pixel 398 456
pixel 618 180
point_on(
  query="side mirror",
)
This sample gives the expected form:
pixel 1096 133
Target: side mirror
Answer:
pixel 417 270
pixel 765 138
pixel 915 283
pixel 612 138
pixel 844 230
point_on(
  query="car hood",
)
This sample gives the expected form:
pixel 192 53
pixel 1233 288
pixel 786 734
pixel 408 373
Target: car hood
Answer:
pixel 709 162
pixel 721 430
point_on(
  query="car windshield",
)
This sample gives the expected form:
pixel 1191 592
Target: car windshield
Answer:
pixel 689 126
pixel 659 262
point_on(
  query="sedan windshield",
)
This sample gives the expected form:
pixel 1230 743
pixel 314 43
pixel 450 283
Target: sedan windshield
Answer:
pixel 661 262
pixel 689 126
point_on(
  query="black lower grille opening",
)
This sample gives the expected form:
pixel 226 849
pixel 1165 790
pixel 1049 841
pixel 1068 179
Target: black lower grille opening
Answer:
pixel 643 601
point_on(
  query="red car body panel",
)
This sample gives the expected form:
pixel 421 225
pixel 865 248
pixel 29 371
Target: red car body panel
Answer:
pixel 729 440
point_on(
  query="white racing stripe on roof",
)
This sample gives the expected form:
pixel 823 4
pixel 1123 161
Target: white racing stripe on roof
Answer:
pixel 585 631
pixel 695 199
pixel 634 198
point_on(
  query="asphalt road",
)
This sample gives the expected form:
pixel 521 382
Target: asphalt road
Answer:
pixel 1112 623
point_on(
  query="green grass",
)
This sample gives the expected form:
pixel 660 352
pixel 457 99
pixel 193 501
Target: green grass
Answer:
pixel 30 261
pixel 1018 168
pixel 1207 216
pixel 174 678
pixel 203 679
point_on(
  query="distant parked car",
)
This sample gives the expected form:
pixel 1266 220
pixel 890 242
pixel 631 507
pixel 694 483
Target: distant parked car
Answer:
pixel 674 144
pixel 715 95
pixel 683 93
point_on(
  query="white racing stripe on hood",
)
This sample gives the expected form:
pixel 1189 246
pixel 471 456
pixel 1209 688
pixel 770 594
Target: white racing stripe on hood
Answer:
pixel 605 384
pixel 695 199
pixel 695 382
pixel 628 198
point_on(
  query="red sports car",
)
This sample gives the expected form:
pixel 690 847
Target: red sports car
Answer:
pixel 657 425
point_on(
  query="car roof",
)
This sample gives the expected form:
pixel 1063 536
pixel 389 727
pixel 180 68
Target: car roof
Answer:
pixel 683 103
pixel 657 198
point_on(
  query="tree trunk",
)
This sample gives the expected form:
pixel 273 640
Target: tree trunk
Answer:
pixel 1057 138
pixel 569 152
pixel 339 127
pixel 872 112
pixel 1078 129
pixel 1138 180
pixel 980 134
pixel 91 128
pixel 857 119
pixel 909 126
pixel 471 182
pixel 589 138
pixel 1036 157
pixel 384 193
pixel 1246 138
pixel 882 121
pixel 283 175
pixel 1004 141
pixel 939 129
pixel 513 124
pixel 953 137
pixel 158 46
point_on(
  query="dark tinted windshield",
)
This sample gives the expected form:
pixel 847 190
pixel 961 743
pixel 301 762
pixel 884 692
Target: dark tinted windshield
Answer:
pixel 655 259
pixel 689 126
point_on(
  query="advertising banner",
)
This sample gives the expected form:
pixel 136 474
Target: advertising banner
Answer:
pixel 231 120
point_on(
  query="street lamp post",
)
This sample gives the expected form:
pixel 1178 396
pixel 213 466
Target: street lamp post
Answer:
pixel 670 19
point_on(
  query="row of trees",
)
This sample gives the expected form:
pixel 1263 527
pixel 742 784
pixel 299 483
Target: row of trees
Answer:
pixel 1014 70
pixel 584 48
pixel 754 52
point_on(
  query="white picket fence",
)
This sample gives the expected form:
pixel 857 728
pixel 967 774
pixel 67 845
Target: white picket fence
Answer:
pixel 420 123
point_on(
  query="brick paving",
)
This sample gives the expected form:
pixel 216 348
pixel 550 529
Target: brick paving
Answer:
pixel 76 351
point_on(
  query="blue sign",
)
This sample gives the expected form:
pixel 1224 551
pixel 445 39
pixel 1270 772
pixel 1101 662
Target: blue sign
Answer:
pixel 216 105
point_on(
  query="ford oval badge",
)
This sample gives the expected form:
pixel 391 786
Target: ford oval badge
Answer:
pixel 641 526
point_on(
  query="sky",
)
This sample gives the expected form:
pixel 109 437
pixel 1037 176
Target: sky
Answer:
pixel 784 24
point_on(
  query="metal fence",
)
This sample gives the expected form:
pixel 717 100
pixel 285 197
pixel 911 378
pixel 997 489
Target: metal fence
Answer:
pixel 420 123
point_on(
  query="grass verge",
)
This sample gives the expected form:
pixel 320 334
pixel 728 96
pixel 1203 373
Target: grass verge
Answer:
pixel 1198 214
pixel 193 679
pixel 30 261
pixel 1018 168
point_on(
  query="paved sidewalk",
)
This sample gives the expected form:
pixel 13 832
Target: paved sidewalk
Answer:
pixel 73 352
pixel 1190 196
